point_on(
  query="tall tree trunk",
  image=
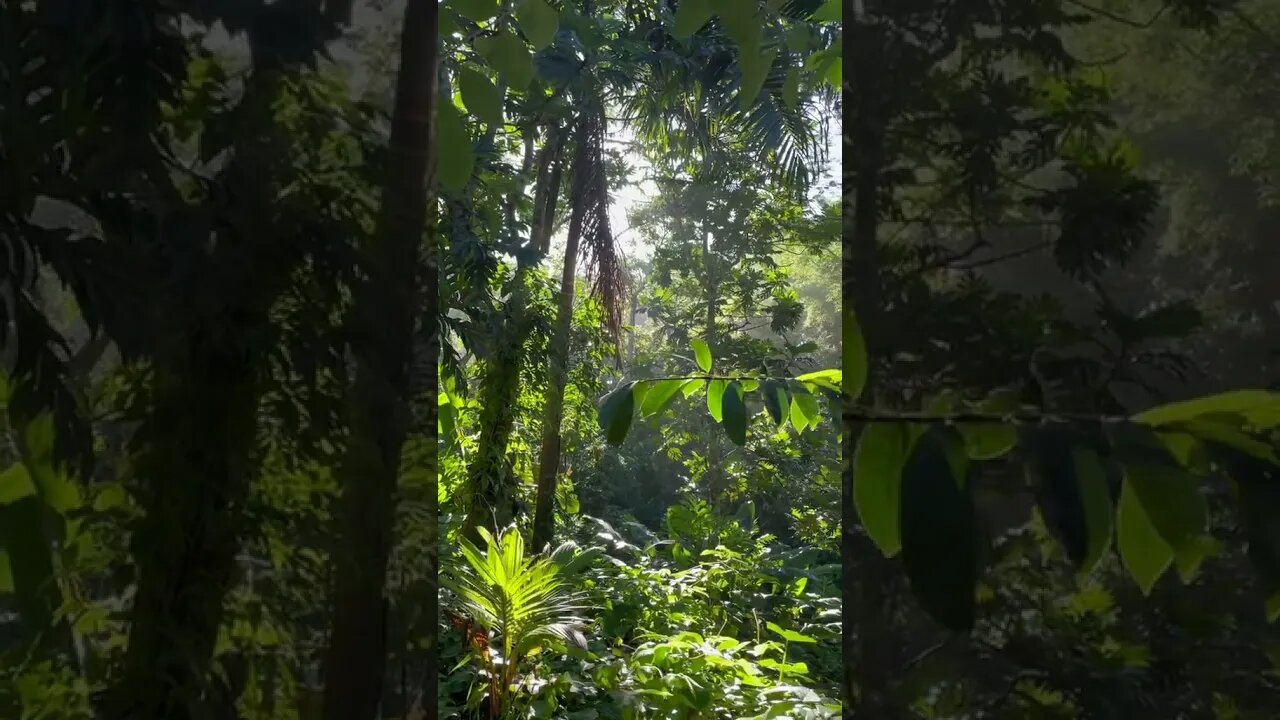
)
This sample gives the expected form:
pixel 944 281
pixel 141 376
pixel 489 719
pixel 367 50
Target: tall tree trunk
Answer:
pixel 866 636
pixel 378 407
pixel 199 444
pixel 558 369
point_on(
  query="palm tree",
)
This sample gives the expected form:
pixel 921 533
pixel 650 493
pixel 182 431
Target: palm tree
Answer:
pixel 513 605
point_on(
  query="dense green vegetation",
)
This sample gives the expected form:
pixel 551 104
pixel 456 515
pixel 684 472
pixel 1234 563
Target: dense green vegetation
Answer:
pixel 1018 237
pixel 656 414
pixel 487 359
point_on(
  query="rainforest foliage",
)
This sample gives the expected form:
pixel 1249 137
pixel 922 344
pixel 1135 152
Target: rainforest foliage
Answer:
pixel 519 359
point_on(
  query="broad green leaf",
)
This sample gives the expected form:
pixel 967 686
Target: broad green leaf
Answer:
pixel 798 38
pixel 1222 433
pixel 776 401
pixel 828 12
pixel 809 403
pixel 659 395
pixel 741 22
pixel 799 419
pixel 1095 497
pixel 1171 500
pixel 702 354
pixel 15 484
pixel 507 54
pixel 791 88
pixel 616 410
pixel 539 21
pixel 829 379
pixel 789 635
pixel 1260 408
pixel 1142 551
pixel 988 441
pixel 939 550
pixel 734 413
pixel 456 153
pixel 477 10
pixel 755 68
pixel 1190 556
pixel 854 355
pixel 692 387
pixel 834 74
pixel 690 16
pixel 482 98
pixel 715 399
pixel 877 483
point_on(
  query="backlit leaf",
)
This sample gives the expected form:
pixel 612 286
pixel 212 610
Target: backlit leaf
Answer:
pixel 482 98
pixel 702 354
pixel 878 460
pixel 1143 552
pixel 539 21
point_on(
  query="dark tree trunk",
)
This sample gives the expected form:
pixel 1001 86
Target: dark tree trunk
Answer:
pixel 379 408
pixel 867 636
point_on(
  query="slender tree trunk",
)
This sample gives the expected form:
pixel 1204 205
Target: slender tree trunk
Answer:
pixel 867 637
pixel 715 480
pixel 558 370
pixel 379 408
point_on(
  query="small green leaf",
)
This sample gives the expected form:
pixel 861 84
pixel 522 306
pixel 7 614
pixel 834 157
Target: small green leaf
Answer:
pixel 939 550
pixel 789 635
pixel 702 353
pixel 456 154
pixel 616 410
pixel 1260 409
pixel 690 16
pixel 715 399
pixel 482 98
pixel 509 56
pixel 829 379
pixel 477 10
pixel 734 412
pixel 659 396
pixel 1142 551
pixel 878 460
pixel 988 441
pixel 1273 608
pixel 854 360
pixel 539 21
pixel 692 387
